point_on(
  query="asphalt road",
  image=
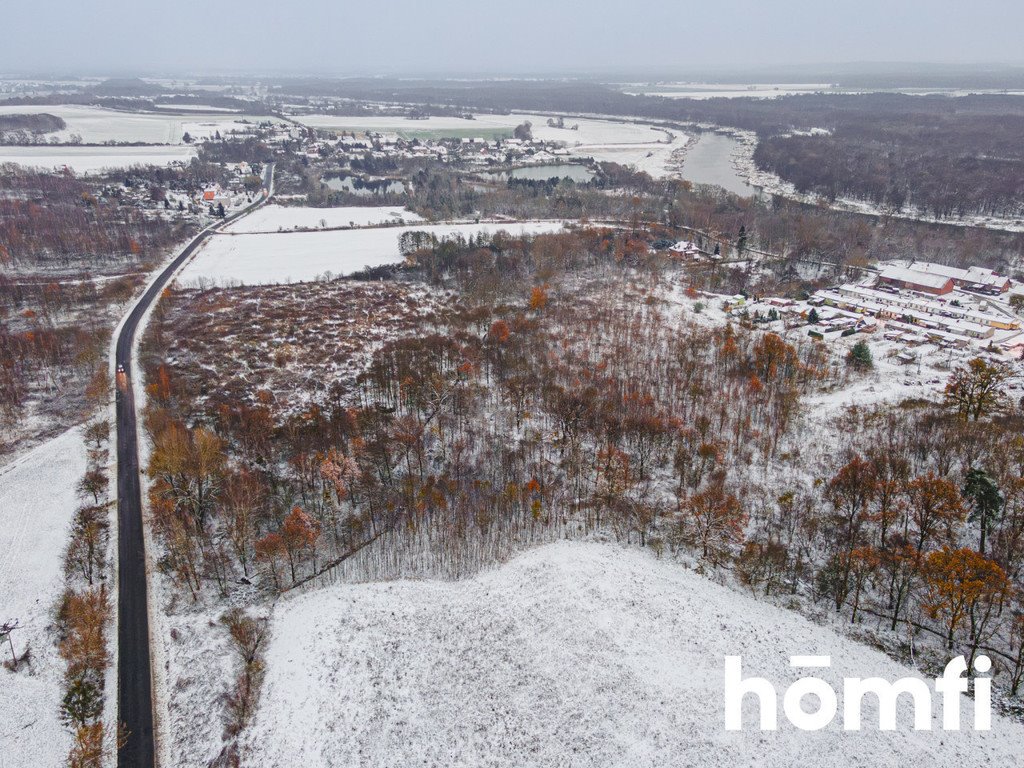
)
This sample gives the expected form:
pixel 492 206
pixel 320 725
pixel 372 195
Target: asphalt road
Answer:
pixel 134 673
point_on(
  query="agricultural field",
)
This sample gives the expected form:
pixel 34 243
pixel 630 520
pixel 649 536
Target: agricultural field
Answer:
pixel 98 125
pixel 94 160
pixel 276 218
pixel 253 259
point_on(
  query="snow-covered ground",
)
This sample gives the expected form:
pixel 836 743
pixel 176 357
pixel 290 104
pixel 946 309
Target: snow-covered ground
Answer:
pixel 96 125
pixel 88 160
pixel 37 503
pixel 727 90
pixel 193 108
pixel 272 218
pixel 767 91
pixel 256 259
pixel 573 654
pixel 630 143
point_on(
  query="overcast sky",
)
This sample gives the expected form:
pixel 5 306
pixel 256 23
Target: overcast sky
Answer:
pixel 481 36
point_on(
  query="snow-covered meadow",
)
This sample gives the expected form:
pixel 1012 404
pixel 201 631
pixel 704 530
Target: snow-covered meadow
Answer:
pixel 275 218
pixel 37 503
pixel 91 160
pixel 96 125
pixel 573 654
pixel 259 259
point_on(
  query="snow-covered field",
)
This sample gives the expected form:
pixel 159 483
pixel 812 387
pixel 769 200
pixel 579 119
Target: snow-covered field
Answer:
pixel 97 125
pixel 87 160
pixel 629 143
pixel 273 218
pixel 37 502
pixel 256 259
pixel 727 90
pixel 573 654
pixel 193 108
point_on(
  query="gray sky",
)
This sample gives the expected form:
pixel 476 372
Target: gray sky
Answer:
pixel 480 36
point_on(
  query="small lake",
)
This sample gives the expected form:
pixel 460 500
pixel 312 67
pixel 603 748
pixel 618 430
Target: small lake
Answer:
pixel 574 171
pixel 365 187
pixel 709 161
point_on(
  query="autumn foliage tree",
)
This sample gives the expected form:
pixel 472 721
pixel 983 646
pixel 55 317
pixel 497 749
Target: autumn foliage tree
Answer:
pixel 976 390
pixel 936 507
pixel 963 587
pixel 712 521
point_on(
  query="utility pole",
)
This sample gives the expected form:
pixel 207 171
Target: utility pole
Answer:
pixel 5 634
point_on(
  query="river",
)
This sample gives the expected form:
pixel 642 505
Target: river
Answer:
pixel 709 161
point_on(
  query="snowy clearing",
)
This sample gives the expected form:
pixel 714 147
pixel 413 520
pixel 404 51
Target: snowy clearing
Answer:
pixel 37 503
pixel 299 256
pixel 273 218
pixel 97 125
pixel 571 655
pixel 91 160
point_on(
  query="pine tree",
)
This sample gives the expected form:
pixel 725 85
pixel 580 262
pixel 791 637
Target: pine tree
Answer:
pixel 860 356
pixel 986 502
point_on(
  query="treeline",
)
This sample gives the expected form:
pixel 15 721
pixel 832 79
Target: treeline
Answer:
pixel 71 253
pixel 28 129
pixel 59 221
pixel 84 612
pixel 791 231
pixel 899 174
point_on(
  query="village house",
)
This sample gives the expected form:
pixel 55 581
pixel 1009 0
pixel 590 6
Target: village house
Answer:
pixel 686 249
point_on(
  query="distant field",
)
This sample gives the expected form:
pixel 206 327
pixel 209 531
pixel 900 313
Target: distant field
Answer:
pixel 469 133
pixel 96 125
pixel 89 160
pixel 725 91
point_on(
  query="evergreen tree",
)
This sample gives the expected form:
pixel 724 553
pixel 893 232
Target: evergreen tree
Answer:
pixel 82 703
pixel 986 502
pixel 860 356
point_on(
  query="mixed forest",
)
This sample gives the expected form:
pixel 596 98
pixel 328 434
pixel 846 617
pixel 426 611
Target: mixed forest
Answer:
pixel 568 386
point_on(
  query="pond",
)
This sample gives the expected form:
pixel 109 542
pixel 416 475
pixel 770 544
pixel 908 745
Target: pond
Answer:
pixel 365 187
pixel 574 171
pixel 709 161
